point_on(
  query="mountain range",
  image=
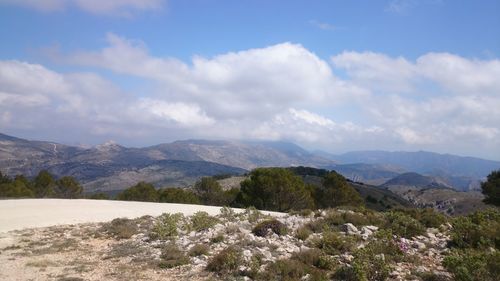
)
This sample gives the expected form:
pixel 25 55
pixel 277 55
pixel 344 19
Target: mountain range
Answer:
pixel 110 166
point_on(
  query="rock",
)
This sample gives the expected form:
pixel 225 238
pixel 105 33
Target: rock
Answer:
pixel 349 228
pixel 418 245
pixel 421 269
pixel 247 253
pixel 371 227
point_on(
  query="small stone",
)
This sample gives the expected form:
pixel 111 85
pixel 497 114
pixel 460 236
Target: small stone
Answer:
pixel 349 228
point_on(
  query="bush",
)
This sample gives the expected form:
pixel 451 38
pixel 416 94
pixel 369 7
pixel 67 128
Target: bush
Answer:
pixel 225 262
pixel 211 193
pixel 274 225
pixel 428 217
pixel 478 230
pixel 473 265
pixel 337 192
pixel 198 250
pixel 333 243
pixel 166 226
pixel 316 258
pixel 99 196
pixel 217 239
pixel 202 221
pixel 404 225
pixel 121 228
pixel 142 191
pixel 291 270
pixel 177 195
pixel 491 188
pixel 303 233
pixel 253 215
pixel 172 256
pixel 228 214
pixel 274 189
pixel 365 266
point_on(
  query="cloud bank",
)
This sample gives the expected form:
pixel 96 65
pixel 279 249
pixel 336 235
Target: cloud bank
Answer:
pixel 355 100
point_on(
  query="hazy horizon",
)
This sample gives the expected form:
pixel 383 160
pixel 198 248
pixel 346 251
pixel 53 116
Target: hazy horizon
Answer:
pixel 338 76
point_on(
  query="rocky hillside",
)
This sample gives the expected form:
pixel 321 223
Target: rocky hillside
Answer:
pixel 462 173
pixel 448 201
pixel 332 244
pixel 415 181
pixel 111 166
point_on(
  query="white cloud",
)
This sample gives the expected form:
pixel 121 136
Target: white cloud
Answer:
pixel 188 115
pixel 377 71
pixel 101 7
pixel 284 91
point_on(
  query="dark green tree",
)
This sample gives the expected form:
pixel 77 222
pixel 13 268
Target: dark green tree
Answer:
pixel 275 189
pixel 68 187
pixel 491 188
pixel 4 178
pixel 15 189
pixel 336 191
pixel 178 195
pixel 210 192
pixel 142 191
pixel 44 185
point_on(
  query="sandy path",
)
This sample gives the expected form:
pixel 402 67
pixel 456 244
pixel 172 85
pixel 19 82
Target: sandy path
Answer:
pixel 28 213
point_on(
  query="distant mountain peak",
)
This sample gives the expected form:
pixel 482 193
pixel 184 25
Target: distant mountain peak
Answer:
pixel 109 145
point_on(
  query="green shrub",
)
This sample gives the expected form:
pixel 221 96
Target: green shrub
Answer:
pixel 99 196
pixel 386 246
pixel 274 225
pixel 218 238
pixel 478 230
pixel 291 270
pixel 430 218
pixel 427 217
pixel 142 191
pixel 121 228
pixel 473 265
pixel 228 214
pixel 166 226
pixel 316 258
pixel 225 262
pixel 198 250
pixel 303 233
pixel 403 225
pixel 302 213
pixel 337 191
pixel 178 195
pixel 365 266
pixel 274 189
pixel 252 214
pixel 202 221
pixel 172 256
pixel 333 243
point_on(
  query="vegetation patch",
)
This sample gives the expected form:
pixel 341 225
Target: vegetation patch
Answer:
pixel 226 261
pixel 172 256
pixel 274 225
pixel 121 228
pixel 202 221
pixel 166 226
pixel 333 243
pixel 198 250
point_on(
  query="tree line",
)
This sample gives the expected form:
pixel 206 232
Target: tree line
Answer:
pixel 274 189
pixel 44 185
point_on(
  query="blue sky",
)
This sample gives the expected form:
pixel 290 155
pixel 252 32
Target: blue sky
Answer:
pixel 331 75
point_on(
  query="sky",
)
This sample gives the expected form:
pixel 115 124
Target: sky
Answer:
pixel 330 75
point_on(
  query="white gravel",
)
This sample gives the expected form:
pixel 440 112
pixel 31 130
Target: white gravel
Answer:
pixel 18 214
